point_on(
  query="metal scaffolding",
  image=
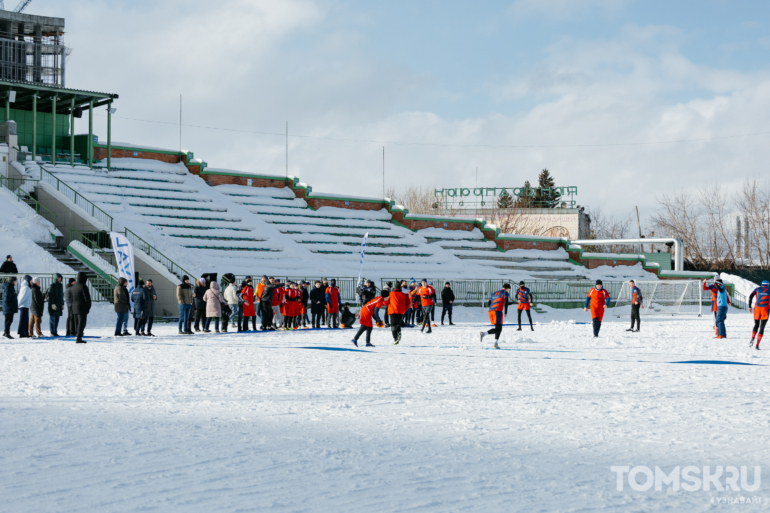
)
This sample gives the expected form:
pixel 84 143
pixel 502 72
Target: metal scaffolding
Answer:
pixel 32 49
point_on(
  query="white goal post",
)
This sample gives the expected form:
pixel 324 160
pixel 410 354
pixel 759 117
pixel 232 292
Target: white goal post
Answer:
pixel 664 297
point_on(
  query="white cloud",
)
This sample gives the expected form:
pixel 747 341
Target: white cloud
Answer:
pixel 239 67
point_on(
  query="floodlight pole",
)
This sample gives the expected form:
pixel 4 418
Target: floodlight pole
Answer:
pixel 53 130
pixel 90 145
pixel 8 107
pixel 287 150
pixel 109 135
pixel 383 172
pixel 34 126
pixel 72 132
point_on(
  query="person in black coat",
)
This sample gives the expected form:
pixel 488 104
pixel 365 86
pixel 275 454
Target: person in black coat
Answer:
pixel 122 305
pixel 36 309
pixel 367 292
pixel 447 299
pixel 266 304
pixel 10 304
pixel 141 300
pixel 317 298
pixel 81 305
pixel 347 318
pixel 200 305
pixel 55 297
pixel 70 327
pixel 304 298
pixel 8 266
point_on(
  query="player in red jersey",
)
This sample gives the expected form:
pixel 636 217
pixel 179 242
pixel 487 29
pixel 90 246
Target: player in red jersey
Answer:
pixel 366 315
pixel 597 299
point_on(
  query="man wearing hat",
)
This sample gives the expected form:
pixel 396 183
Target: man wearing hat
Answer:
pixel 597 299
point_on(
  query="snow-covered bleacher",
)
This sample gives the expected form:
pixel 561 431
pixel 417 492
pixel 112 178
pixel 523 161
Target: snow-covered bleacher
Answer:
pixel 249 229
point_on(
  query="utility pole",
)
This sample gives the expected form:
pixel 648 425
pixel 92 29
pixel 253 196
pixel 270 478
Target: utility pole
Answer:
pixel 180 126
pixel 287 150
pixel 638 225
pixel 383 171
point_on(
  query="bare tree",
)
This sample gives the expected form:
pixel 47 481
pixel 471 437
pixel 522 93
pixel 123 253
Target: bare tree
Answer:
pixel 753 200
pixel 702 219
pixel 418 200
pixel 610 227
pixel 515 221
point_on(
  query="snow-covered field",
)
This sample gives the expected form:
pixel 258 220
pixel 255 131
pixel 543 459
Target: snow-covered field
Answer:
pixel 304 421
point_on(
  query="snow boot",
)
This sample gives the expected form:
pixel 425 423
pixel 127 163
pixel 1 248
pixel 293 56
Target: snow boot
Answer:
pixel 519 329
pixel 355 342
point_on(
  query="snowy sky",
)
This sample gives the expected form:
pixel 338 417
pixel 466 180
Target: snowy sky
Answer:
pixel 594 90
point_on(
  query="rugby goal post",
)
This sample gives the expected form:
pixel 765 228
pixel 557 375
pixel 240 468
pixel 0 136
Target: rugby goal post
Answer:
pixel 664 297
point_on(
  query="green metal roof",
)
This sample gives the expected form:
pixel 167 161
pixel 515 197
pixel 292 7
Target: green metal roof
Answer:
pixel 45 93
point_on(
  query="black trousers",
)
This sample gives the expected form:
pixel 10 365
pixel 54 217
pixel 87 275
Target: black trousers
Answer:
pixel 150 318
pixel 70 323
pixel 80 325
pixel 759 326
pixel 139 324
pixel 246 323
pixel 496 331
pixel 529 316
pixel 395 325
pixel 597 326
pixel 444 309
pixel 364 329
pixel 200 317
pixel 333 320
pixel 426 317
pixel 8 322
pixel 635 316
pixel 267 314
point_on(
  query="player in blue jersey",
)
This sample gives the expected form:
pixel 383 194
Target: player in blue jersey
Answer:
pixel 524 297
pixel 760 311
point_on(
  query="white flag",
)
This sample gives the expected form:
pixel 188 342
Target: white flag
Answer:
pixel 361 267
pixel 124 256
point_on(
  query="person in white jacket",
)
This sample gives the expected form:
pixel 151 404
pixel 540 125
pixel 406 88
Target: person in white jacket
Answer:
pixel 25 301
pixel 231 297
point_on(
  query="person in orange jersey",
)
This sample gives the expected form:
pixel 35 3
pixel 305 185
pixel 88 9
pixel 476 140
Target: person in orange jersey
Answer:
pixel 597 299
pixel 497 303
pixel 333 304
pixel 398 303
pixel 426 294
pixel 365 319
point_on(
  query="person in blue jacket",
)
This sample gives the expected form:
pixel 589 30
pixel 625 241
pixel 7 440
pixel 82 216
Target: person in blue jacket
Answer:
pixel 722 301
pixel 10 304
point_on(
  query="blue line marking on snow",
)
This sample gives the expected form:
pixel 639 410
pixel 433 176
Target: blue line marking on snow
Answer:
pixel 322 348
pixel 535 350
pixel 716 362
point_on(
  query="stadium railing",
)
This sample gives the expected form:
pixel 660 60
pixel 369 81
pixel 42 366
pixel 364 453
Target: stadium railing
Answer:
pixel 22 189
pixel 100 290
pixel 76 198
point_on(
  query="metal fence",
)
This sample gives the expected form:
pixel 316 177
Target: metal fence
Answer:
pixel 347 286
pixel 100 289
pixel 140 243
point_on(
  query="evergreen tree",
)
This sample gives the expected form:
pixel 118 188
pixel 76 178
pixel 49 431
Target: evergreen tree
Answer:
pixel 505 200
pixel 543 198
pixel 526 198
